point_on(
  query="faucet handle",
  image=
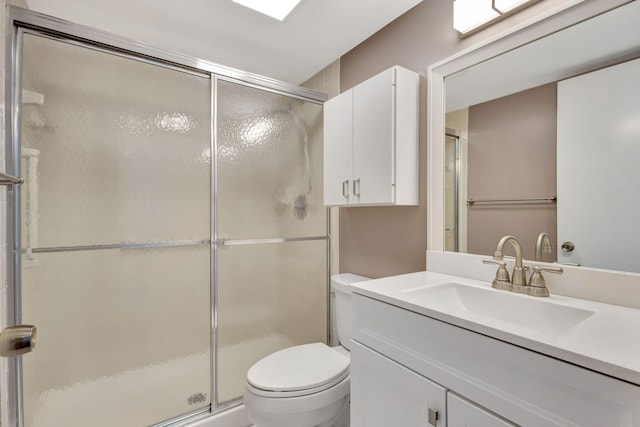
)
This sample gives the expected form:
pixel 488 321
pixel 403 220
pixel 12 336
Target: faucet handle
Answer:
pixel 554 270
pixel 499 262
pixel 537 280
pixel 502 280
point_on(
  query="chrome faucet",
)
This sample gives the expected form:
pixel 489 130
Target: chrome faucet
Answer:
pixel 518 276
pixel 518 282
pixel 543 244
pixel 502 280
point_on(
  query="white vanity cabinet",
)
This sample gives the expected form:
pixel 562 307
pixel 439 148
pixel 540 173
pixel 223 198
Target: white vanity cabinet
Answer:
pixel 485 382
pixel 463 413
pixel 384 393
pixel 371 142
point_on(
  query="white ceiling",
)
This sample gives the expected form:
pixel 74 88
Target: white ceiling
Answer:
pixel 317 33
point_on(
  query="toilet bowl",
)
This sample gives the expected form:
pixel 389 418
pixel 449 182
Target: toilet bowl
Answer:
pixel 306 385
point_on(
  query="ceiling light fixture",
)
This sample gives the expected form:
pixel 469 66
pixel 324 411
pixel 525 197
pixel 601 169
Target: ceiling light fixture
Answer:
pixel 470 16
pixel 504 6
pixel 278 9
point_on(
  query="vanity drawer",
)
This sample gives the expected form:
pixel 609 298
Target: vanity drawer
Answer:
pixel 462 413
pixel 525 387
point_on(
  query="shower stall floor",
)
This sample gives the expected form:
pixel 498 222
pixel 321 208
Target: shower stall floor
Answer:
pixel 177 386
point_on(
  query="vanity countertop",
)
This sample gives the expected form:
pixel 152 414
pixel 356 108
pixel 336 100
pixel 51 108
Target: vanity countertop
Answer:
pixel 606 341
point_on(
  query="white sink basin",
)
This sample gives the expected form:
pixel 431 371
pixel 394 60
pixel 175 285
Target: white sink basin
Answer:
pixel 536 314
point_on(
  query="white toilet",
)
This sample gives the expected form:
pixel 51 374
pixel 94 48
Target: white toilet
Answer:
pixel 306 385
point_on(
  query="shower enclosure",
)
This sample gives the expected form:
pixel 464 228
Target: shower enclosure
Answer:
pixel 452 191
pixel 169 233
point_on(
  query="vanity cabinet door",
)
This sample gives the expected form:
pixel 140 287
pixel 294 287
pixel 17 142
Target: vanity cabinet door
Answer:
pixel 462 413
pixel 384 393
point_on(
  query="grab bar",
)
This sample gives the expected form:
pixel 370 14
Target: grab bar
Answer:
pixel 552 199
pixel 9 180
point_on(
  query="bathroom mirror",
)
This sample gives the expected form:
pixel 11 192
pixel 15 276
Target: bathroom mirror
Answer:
pixel 510 150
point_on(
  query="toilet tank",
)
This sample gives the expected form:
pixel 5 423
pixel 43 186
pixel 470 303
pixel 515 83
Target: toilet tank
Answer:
pixel 341 286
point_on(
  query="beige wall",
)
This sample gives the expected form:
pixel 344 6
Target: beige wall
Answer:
pixel 383 241
pixel 512 154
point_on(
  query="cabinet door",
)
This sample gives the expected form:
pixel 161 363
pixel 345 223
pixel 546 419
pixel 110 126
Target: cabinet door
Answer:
pixel 465 414
pixel 338 149
pixel 384 393
pixel 373 139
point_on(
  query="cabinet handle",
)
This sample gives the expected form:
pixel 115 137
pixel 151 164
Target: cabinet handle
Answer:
pixel 356 187
pixel 345 189
pixel 433 417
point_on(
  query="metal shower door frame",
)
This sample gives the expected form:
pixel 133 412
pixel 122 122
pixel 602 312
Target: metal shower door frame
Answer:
pixel 21 21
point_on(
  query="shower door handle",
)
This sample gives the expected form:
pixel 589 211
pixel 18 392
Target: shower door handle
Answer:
pixel 17 340
pixel 9 180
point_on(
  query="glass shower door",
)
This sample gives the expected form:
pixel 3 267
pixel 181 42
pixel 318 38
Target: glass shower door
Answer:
pixel 116 214
pixel 271 229
pixel 451 192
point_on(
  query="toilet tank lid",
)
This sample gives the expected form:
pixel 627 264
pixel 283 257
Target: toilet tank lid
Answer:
pixel 342 282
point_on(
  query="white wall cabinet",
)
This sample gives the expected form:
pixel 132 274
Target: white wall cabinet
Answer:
pixel 371 142
pixel 488 383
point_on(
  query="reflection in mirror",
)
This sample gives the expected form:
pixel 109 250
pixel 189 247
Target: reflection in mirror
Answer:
pixel 544 139
pixel 510 158
pixel 452 190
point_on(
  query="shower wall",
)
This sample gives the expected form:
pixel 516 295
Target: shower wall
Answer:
pixel 328 81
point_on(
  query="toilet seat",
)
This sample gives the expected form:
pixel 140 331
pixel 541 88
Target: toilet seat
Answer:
pixel 298 371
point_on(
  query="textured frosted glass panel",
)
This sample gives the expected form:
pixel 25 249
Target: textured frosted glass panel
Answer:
pixel 123 149
pixel 123 336
pixel 271 296
pixel 269 165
